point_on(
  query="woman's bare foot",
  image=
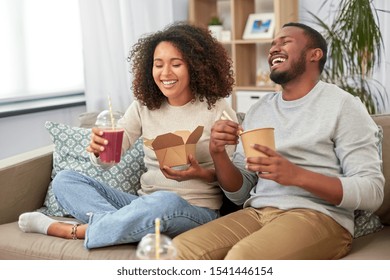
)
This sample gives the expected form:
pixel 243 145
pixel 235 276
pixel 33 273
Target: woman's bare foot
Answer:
pixel 66 230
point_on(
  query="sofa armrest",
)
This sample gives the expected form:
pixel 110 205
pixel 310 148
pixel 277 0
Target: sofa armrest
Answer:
pixel 23 182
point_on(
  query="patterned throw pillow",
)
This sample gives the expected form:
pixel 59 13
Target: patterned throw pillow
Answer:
pixel 367 222
pixel 70 154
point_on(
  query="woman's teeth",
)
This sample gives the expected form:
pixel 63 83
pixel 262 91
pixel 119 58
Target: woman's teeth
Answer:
pixel 168 82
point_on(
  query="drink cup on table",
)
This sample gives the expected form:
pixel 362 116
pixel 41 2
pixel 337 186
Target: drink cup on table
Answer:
pixel 261 136
pixel 146 249
pixel 108 122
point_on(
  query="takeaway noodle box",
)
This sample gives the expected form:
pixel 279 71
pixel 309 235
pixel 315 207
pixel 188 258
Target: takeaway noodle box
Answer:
pixel 172 149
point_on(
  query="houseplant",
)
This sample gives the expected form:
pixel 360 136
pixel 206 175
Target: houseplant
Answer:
pixel 355 45
pixel 215 20
pixel 215 27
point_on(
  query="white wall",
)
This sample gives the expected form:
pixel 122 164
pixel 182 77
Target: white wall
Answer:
pixel 314 7
pixel 27 132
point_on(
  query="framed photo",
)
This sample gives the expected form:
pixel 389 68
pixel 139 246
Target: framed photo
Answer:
pixel 260 26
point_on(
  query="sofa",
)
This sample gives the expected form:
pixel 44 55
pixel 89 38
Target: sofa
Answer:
pixel 24 181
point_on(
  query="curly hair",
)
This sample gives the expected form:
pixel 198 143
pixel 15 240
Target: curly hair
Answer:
pixel 209 65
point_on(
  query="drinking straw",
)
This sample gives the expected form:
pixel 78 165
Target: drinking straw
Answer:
pixel 157 240
pixel 111 114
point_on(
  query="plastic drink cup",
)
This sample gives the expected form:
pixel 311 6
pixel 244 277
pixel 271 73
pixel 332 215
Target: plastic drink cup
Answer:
pixel 113 133
pixel 146 249
pixel 112 151
pixel 261 136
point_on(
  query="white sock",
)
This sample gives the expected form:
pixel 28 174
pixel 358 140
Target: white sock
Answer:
pixel 35 222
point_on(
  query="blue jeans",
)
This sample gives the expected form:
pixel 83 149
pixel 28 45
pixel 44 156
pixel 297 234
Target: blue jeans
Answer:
pixel 116 217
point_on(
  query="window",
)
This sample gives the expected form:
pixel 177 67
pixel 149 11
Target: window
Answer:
pixel 40 50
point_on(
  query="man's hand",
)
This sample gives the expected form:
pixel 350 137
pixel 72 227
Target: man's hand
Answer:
pixel 223 132
pixel 277 168
pixel 274 167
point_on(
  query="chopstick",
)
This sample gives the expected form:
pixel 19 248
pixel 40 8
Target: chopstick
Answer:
pixel 225 117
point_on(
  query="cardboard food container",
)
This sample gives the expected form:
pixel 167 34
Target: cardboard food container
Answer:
pixel 172 149
pixel 263 136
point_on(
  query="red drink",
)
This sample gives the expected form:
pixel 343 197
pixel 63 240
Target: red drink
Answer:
pixel 112 151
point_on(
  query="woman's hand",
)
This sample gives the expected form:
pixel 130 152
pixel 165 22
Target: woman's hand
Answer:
pixel 97 142
pixel 194 171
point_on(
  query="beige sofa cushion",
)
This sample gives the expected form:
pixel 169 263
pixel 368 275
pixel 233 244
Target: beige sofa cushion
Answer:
pixel 17 245
pixel 371 247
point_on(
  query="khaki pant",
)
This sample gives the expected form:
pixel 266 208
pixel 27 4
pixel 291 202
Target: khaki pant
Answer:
pixel 268 234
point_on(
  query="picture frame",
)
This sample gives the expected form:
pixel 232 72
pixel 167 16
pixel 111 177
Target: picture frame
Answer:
pixel 259 26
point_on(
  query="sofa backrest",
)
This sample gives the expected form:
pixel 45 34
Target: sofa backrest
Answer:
pixel 23 182
pixel 384 121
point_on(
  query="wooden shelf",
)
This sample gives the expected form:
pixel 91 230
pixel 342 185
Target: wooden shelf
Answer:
pixel 253 41
pixel 257 88
pixel 248 56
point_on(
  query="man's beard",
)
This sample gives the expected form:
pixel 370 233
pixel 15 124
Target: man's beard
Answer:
pixel 297 69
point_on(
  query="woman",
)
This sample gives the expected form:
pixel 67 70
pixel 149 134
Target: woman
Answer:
pixel 181 77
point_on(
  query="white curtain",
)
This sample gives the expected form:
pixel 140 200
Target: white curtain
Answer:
pixel 382 72
pixel 109 29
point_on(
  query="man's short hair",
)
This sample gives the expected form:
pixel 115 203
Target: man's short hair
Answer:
pixel 315 38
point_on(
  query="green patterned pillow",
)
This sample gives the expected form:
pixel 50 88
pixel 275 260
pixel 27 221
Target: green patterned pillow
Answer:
pixel 366 222
pixel 70 154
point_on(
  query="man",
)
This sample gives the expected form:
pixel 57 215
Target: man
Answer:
pixel 298 202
